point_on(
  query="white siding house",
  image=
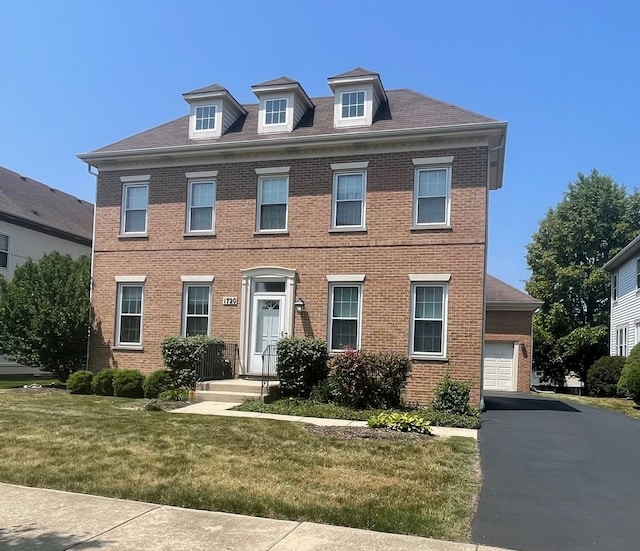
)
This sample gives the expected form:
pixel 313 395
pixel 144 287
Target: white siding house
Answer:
pixel 624 331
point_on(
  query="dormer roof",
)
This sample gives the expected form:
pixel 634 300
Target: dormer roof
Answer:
pixel 291 100
pixel 359 76
pixel 213 91
pixel 283 83
pixel 357 72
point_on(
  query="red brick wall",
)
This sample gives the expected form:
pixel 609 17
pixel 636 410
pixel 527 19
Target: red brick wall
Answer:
pixel 386 254
pixel 513 326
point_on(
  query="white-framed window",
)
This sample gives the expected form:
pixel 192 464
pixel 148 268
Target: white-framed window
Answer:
pixel 206 117
pixel 637 334
pixel 275 111
pixel 5 241
pixel 345 316
pixel 638 273
pixel 428 319
pixel 614 287
pixel 129 320
pixel 202 203
pixel 352 104
pixel 197 309
pixel 349 193
pixel 273 196
pixel 432 196
pixel 135 203
pixel 621 341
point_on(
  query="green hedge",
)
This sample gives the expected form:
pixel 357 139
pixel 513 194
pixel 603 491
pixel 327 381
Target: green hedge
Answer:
pixel 127 383
pixel 79 382
pixel 181 356
pixel 103 382
pixel 630 378
pixel 301 364
pixel 603 376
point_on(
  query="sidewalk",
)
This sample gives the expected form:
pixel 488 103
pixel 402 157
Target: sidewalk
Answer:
pixel 49 520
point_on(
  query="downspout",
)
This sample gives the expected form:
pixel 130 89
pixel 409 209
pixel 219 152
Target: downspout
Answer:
pixel 484 275
pixel 93 247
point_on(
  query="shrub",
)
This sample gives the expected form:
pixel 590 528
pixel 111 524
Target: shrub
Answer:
pixel 470 420
pixel 451 396
pixel 103 382
pixel 156 383
pixel 362 380
pixel 630 378
pixel 323 392
pixel 181 356
pixel 404 422
pixel 301 364
pixel 174 395
pixel 603 376
pixel 80 382
pixel 127 383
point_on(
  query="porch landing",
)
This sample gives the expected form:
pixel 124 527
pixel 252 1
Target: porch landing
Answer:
pixel 233 390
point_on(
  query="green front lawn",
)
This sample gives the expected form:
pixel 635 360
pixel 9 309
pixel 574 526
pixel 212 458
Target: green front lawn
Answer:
pixel 276 469
pixel 619 405
pixel 19 382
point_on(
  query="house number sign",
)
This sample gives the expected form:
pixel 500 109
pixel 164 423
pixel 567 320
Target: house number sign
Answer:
pixel 230 301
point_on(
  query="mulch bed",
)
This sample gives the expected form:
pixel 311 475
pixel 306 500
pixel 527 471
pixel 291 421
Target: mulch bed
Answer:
pixel 366 433
pixel 37 389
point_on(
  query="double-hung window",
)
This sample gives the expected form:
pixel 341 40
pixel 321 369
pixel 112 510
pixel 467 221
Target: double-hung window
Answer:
pixel 129 321
pixel 275 111
pixel 135 204
pixel 206 117
pixel 614 287
pixel 349 191
pixel 273 194
pixel 4 251
pixel 345 315
pixel 352 104
pixel 197 306
pixel 621 341
pixel 428 319
pixel 638 273
pixel 431 196
pixel 202 201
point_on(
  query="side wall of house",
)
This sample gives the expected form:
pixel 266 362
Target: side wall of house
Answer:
pixel 625 310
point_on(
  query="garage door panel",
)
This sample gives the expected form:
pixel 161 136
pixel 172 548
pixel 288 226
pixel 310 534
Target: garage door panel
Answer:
pixel 499 368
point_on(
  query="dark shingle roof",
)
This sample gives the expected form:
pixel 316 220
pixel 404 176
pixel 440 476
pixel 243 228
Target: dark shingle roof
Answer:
pixel 357 72
pixel 39 205
pixel 276 82
pixel 207 89
pixel 406 110
pixel 499 292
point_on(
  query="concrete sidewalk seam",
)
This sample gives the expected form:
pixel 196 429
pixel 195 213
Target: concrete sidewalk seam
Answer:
pixel 286 535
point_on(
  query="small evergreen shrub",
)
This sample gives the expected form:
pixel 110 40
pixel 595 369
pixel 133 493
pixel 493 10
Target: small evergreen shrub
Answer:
pixel 80 382
pixel 103 382
pixel 323 392
pixel 181 356
pixel 629 382
pixel 127 383
pixel 174 395
pixel 470 420
pixel 404 422
pixel 603 376
pixel 155 383
pixel 301 364
pixel 451 396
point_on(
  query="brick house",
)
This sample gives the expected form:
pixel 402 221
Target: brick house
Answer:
pixel 360 217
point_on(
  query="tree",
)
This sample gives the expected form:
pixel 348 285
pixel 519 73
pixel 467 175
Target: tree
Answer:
pixel 595 220
pixel 44 314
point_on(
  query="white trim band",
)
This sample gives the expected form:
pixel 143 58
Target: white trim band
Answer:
pixel 350 278
pixel 131 278
pixel 196 278
pixel 201 174
pixel 273 170
pixel 438 278
pixel 349 166
pixel 433 161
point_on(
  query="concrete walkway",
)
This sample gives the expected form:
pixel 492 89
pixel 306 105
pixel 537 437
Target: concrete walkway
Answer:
pixel 223 409
pixel 37 519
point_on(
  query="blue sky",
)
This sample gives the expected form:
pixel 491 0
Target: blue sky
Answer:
pixel 77 75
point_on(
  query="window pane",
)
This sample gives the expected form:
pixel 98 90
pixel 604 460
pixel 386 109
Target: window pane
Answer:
pixel 269 287
pixel 197 326
pixel 274 191
pixel 4 260
pixel 4 242
pixel 349 187
pixel 135 221
pixel 429 302
pixel 349 213
pixel 201 219
pixel 432 210
pixel 273 217
pixel 136 197
pixel 345 302
pixel 202 194
pixel 131 300
pixel 198 300
pixel 344 334
pixel 130 329
pixel 432 183
pixel 427 336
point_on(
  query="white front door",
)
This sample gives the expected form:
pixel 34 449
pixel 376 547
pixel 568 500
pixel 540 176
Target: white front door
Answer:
pixel 267 328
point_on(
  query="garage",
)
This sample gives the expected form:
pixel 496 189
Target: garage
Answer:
pixel 499 366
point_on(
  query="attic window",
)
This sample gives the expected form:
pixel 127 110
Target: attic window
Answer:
pixel 206 117
pixel 275 111
pixel 352 104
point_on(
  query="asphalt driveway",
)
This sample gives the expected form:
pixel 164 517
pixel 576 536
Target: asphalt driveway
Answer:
pixel 558 476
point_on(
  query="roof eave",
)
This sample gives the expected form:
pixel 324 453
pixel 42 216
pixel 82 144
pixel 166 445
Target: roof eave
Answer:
pixel 631 250
pixel 513 306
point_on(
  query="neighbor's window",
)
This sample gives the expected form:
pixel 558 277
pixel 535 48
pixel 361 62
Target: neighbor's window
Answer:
pixel 135 201
pixel 349 200
pixel 275 111
pixel 431 203
pixel 202 198
pixel 206 117
pixel 345 316
pixel 621 341
pixel 352 104
pixel 272 203
pixel 197 300
pixel 614 287
pixel 428 323
pixel 129 330
pixel 638 273
pixel 4 251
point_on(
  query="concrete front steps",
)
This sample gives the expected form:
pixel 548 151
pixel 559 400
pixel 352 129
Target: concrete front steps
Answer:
pixel 232 390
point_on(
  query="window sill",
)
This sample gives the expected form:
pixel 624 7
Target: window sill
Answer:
pixel 199 234
pixel 427 227
pixel 134 348
pixel 133 236
pixel 271 232
pixel 417 357
pixel 348 230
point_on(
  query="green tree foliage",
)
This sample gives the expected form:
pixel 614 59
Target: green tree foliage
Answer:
pixel 595 220
pixel 44 314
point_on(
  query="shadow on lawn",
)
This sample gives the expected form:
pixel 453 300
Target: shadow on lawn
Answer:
pixel 23 538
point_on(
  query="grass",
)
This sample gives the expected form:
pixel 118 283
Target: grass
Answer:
pixel 619 405
pixel 19 382
pixel 258 467
pixel 309 408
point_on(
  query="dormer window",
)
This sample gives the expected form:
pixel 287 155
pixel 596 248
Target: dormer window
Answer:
pixel 358 95
pixel 353 104
pixel 206 117
pixel 275 111
pixel 282 103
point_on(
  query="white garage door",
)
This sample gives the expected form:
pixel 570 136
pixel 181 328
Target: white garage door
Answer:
pixel 499 369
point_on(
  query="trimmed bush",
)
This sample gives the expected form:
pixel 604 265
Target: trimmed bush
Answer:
pixel 470 420
pixel 603 376
pixel 80 382
pixel 127 383
pixel 103 382
pixel 451 396
pixel 181 356
pixel 155 383
pixel 630 377
pixel 301 364
pixel 403 422
pixel 173 395
pixel 362 380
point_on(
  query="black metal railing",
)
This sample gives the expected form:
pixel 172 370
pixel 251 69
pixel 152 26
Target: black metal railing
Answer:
pixel 269 358
pixel 220 361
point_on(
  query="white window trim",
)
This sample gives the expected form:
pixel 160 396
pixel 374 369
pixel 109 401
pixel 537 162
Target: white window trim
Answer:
pixel 429 282
pixel 128 281
pixel 262 176
pixel 364 104
pixel 637 332
pixel 8 251
pixel 185 288
pixel 127 184
pixel 447 213
pixel 332 286
pixel 625 340
pixel 214 132
pixel 212 229
pixel 215 118
pixel 286 112
pixel 614 287
pixel 363 202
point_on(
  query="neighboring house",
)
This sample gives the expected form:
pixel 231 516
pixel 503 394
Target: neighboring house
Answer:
pixel 624 332
pixel 508 345
pixel 360 217
pixel 36 219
